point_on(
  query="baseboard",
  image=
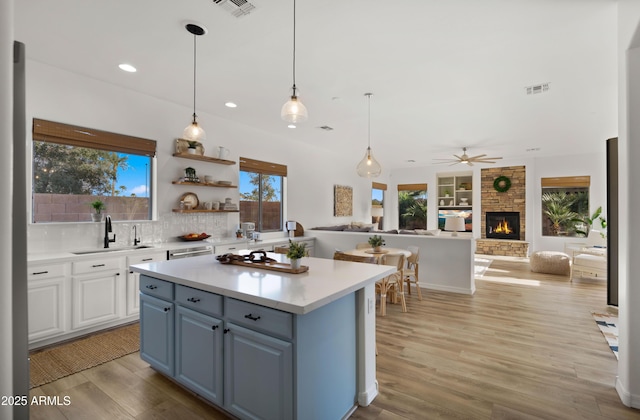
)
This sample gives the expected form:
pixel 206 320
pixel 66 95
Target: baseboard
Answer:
pixel 365 398
pixel 626 397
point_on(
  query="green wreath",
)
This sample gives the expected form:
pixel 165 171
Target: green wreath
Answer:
pixel 502 184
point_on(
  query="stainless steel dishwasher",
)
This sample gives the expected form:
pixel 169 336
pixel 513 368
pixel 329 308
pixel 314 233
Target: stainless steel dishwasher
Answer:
pixel 194 251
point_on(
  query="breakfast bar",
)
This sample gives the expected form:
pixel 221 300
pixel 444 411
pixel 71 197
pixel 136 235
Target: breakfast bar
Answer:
pixel 261 343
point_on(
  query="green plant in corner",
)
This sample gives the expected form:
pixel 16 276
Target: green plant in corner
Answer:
pixel 98 206
pixel 376 240
pixel 589 221
pixel 296 250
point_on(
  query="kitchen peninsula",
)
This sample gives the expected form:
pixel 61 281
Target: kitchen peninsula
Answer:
pixel 260 343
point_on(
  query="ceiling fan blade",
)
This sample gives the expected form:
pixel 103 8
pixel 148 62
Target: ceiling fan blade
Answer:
pixel 459 157
pixel 454 163
pixel 469 163
pixel 477 157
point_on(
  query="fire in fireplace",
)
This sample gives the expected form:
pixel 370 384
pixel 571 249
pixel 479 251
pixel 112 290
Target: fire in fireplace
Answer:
pixel 503 225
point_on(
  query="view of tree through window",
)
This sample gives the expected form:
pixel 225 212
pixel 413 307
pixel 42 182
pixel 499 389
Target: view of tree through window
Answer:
pixel 261 200
pixel 377 206
pixel 66 179
pixel 412 208
pixel 565 211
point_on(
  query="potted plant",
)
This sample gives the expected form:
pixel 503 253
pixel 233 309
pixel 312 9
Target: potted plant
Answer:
pixel 447 193
pixel 98 206
pixel 376 242
pixel 296 251
pixel 192 147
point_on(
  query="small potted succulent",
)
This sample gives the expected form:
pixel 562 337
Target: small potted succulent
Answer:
pixel 192 147
pixel 98 206
pixel 296 251
pixel 376 242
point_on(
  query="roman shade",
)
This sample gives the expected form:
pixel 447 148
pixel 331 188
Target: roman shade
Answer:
pixel 73 135
pixel 566 182
pixel 261 167
pixel 412 187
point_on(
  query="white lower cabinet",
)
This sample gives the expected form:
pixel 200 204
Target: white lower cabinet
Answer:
pixel 96 289
pixel 133 280
pixel 47 301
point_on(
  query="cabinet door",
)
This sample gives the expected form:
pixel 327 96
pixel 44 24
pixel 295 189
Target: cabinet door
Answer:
pixel 133 280
pixel 95 299
pixel 46 302
pixel 156 333
pixel 258 375
pixel 198 364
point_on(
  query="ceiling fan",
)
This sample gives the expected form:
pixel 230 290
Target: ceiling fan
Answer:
pixel 469 160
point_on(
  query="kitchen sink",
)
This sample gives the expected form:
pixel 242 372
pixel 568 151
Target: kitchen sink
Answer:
pixel 103 250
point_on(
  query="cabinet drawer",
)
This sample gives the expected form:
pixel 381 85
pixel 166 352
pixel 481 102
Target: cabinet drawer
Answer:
pixel 46 271
pixel 155 256
pixel 92 266
pixel 233 248
pixel 201 301
pixel 259 317
pixel 156 287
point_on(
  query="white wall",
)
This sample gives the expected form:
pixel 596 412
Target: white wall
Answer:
pixel 593 165
pixel 58 95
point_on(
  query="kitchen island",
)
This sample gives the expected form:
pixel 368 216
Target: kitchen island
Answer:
pixel 260 343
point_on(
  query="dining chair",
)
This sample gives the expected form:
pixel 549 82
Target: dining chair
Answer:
pixel 392 282
pixel 363 245
pixel 354 258
pixel 411 270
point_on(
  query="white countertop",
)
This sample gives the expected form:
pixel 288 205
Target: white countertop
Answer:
pixel 327 280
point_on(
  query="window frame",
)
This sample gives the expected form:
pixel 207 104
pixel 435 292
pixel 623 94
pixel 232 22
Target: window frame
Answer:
pixel 263 168
pixel 568 184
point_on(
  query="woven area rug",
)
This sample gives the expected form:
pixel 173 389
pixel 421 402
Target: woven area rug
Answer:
pixel 480 266
pixel 66 359
pixel 608 324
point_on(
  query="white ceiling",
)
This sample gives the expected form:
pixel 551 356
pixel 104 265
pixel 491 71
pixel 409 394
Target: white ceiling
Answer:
pixel 444 74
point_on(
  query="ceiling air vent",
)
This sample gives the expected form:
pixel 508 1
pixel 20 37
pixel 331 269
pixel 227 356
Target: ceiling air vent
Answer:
pixel 541 88
pixel 326 128
pixel 237 8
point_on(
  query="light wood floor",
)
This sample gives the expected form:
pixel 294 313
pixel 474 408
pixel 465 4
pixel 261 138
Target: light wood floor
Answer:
pixel 523 347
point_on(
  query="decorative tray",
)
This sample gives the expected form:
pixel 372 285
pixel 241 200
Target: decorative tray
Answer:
pixel 262 262
pixel 197 237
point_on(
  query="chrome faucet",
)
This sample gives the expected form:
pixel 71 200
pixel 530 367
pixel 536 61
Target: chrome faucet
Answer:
pixel 136 240
pixel 107 231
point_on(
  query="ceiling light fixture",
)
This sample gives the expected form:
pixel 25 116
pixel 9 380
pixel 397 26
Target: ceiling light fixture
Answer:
pixel 127 67
pixel 369 166
pixel 194 132
pixel 230 105
pixel 293 111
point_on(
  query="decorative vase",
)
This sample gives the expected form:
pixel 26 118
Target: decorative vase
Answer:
pixel 377 248
pixel 191 151
pixel 96 217
pixel 295 263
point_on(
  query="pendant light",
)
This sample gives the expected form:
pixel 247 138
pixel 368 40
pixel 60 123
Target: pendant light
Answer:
pixel 369 166
pixel 293 111
pixel 194 132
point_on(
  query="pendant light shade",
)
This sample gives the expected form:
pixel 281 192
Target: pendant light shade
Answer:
pixel 369 167
pixel 294 111
pixel 193 132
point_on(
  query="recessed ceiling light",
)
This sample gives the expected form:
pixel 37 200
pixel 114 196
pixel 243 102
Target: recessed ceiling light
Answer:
pixel 291 126
pixel 410 160
pixel 128 68
pixel 230 105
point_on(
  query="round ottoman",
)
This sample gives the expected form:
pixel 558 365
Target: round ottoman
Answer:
pixel 550 262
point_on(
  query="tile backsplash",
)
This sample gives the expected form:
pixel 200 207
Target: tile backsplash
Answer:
pixel 47 237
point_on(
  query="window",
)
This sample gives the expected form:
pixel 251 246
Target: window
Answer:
pixel 261 194
pixel 377 203
pixel 412 206
pixel 565 206
pixel 75 166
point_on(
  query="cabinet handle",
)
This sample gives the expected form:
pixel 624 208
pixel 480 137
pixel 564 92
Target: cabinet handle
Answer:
pixel 147 259
pixel 40 272
pixel 130 272
pixel 226 330
pixel 251 317
pixel 151 286
pixel 167 309
pixel 194 300
pixel 118 273
pixel 214 327
pixel 97 265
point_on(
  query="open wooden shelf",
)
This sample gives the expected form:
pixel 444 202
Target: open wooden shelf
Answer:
pixel 203 184
pixel 204 158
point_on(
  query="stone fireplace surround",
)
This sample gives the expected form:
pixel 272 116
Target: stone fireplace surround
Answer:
pixel 513 200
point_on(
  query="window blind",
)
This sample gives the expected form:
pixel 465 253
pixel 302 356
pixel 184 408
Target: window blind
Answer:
pixel 261 167
pixel 566 182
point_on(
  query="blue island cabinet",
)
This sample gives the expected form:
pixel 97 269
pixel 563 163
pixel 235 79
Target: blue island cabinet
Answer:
pixel 254 361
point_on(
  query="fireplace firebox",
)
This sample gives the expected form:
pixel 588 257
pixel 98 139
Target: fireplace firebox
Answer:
pixel 503 224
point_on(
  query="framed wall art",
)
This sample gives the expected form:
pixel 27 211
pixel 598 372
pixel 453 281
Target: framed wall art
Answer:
pixel 342 201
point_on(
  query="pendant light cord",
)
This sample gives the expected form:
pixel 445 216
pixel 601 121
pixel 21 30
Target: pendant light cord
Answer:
pixel 368 95
pixel 294 47
pixel 194 77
